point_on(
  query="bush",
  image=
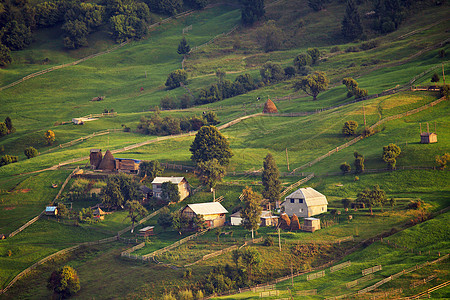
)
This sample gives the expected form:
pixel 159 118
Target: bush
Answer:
pixel 368 132
pixel 8 159
pixel 335 49
pixel 289 72
pixel 352 49
pixel 435 78
pixel 442 53
pixel 349 128
pixel 176 78
pixel 30 152
pixel 268 241
pixel 185 295
pixel 167 103
pixel 369 45
pixel 345 168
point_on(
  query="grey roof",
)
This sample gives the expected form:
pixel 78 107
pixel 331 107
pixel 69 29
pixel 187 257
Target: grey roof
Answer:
pixel 311 196
pixel 96 150
pixel 236 214
pixel 311 219
pixel 146 228
pixel 175 180
pixel 50 208
pixel 209 208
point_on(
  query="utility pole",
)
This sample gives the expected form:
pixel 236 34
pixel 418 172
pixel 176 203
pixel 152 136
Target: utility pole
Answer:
pixel 292 275
pixel 287 159
pixel 279 239
pixel 364 113
pixel 443 74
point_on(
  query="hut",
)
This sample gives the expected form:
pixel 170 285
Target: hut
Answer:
pixel 181 182
pixel 127 165
pixel 212 212
pixel 95 158
pixel 108 162
pixel 235 218
pixel 98 214
pixel 51 211
pixel 428 137
pixel 269 107
pixel 305 202
pixel 146 231
pixel 311 224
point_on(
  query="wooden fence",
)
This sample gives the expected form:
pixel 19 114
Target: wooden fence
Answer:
pixel 193 49
pixel 48 258
pixel 359 280
pixel 315 275
pixel 340 266
pixel 371 270
pixel 65 183
pixel 214 254
pixel 296 184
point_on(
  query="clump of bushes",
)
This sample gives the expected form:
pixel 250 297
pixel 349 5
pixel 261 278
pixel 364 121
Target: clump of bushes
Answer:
pixel 8 159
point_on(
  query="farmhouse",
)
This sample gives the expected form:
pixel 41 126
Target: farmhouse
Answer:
pixel 267 219
pixel 305 202
pixel 212 212
pixel 181 182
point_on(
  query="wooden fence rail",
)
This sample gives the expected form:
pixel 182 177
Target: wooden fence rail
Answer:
pixel 296 184
pixel 371 270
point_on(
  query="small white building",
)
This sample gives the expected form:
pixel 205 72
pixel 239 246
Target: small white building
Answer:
pixel 267 219
pixel 305 202
pixel 181 182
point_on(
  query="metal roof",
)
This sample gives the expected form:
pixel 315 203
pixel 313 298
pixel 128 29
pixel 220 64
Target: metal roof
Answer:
pixel 146 228
pixel 209 208
pixel 311 196
pixel 175 180
pixel 135 160
pixel 50 208
pixel 311 219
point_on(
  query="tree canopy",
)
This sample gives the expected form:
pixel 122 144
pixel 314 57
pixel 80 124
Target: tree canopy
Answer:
pixel 176 78
pixel 119 189
pixel 252 11
pixel 151 169
pixel 372 197
pixel 135 210
pixel 50 136
pixel 251 209
pixel 210 172
pixel 349 128
pixel 183 47
pixel 210 144
pixel 390 154
pixel 313 84
pixel 64 282
pixel 170 192
pixel 351 24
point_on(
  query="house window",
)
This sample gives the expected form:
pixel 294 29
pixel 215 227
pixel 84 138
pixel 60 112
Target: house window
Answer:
pixel 300 200
pixel 322 208
pixel 292 200
pixel 300 210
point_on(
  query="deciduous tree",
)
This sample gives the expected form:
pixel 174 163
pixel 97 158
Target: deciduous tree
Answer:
pixel 270 37
pixel 349 128
pixel 5 55
pixel 170 192
pixel 135 210
pixel 50 136
pixel 175 79
pixel 119 189
pixel 251 259
pixel 252 11
pixel 208 144
pixel 390 153
pixel 345 168
pixel 210 172
pixel 314 53
pixel 359 162
pixel 211 118
pixel 30 152
pixel 313 84
pixel 251 209
pixel 64 282
pixel 441 160
pixel 151 169
pixel 372 197
pixel 165 218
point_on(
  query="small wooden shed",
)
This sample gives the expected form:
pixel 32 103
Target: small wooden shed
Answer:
pixel 146 231
pixel 311 224
pixel 428 138
pixel 127 165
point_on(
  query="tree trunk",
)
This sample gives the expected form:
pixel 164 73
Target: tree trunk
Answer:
pixel 314 97
pixel 252 234
pixel 371 212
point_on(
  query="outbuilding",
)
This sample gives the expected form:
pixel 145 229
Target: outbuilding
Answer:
pixel 305 202
pixel 146 231
pixel 311 224
pixel 212 212
pixel 51 211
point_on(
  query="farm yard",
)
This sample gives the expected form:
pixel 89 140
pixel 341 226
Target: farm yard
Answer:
pixel 396 248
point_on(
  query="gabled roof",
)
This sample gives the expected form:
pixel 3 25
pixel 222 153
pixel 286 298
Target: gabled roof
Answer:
pixel 175 180
pixel 209 208
pixel 146 228
pixel 311 196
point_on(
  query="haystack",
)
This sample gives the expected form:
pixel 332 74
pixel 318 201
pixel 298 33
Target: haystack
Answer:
pixel 270 108
pixel 285 222
pixel 95 158
pixel 108 162
pixel 295 224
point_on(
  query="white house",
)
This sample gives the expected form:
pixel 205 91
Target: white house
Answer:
pixel 305 202
pixel 181 182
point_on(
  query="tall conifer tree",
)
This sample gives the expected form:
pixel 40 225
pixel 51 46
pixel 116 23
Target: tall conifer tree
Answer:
pixel 270 180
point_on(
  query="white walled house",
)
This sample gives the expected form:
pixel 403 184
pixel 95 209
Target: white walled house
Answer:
pixel 181 182
pixel 305 202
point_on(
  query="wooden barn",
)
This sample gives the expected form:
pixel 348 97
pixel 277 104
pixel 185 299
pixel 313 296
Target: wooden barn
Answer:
pixel 428 137
pixel 181 182
pixel 305 202
pixel 127 165
pixel 212 212
pixel 311 224
pixel 95 158
pixel 146 231
pixel 108 162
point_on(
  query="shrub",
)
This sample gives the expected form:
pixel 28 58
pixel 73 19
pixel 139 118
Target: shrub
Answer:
pixel 441 161
pixel 369 45
pixel 442 53
pixel 352 49
pixel 199 295
pixel 335 49
pixel 349 128
pixel 30 152
pixel 167 103
pixel 187 273
pixel 435 78
pixel 345 168
pixel 169 296
pixel 289 72
pixel 8 159
pixel 176 78
pixel 368 131
pixel 268 241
